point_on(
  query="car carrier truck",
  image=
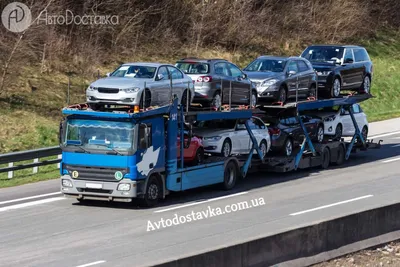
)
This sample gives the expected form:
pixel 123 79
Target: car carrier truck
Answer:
pixel 122 154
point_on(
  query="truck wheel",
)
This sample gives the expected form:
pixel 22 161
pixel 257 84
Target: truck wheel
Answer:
pixel 230 175
pixel 326 158
pixel 153 192
pixel 341 155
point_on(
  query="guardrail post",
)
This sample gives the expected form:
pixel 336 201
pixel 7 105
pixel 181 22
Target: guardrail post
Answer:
pixel 35 169
pixel 10 173
pixel 59 164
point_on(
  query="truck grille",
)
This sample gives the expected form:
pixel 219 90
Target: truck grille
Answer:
pixel 95 173
pixel 108 90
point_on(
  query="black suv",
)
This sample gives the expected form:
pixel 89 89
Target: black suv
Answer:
pixel 346 67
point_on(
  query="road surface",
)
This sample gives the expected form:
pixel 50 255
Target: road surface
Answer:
pixel 49 230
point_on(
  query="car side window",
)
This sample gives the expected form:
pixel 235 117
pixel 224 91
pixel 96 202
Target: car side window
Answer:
pixel 145 136
pixel 163 70
pixel 175 73
pixel 221 68
pixel 293 66
pixel 356 108
pixel 360 54
pixel 302 66
pixel 348 54
pixel 235 71
pixel 260 124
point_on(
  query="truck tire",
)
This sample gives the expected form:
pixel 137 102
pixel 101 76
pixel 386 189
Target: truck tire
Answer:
pixel 341 154
pixel 230 175
pixel 153 192
pixel 326 158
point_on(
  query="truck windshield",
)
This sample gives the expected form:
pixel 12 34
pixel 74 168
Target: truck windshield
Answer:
pixel 99 136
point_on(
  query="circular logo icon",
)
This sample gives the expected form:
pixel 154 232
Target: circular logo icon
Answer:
pixel 16 17
pixel 75 174
pixel 118 175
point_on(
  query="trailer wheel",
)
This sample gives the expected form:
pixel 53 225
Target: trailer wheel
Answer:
pixel 326 158
pixel 230 175
pixel 153 192
pixel 341 155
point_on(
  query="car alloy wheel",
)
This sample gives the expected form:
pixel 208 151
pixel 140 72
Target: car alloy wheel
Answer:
pixel 336 87
pixel 217 102
pixel 364 133
pixel 282 95
pixel 253 99
pixel 226 149
pixel 263 148
pixel 338 132
pixel 288 147
pixel 320 134
pixel 366 85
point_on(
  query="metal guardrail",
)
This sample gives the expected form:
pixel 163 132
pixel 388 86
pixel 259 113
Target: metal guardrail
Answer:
pixel 34 154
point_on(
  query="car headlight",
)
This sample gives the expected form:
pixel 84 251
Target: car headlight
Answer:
pixel 92 88
pixel 268 83
pixel 124 187
pixel 212 138
pixel 131 90
pixel 66 183
pixel 330 118
pixel 324 73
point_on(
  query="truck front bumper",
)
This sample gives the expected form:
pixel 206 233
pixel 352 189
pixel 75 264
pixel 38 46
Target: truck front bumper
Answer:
pixel 123 191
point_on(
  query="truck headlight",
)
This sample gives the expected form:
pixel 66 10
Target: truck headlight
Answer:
pixel 124 187
pixel 66 183
pixel 131 90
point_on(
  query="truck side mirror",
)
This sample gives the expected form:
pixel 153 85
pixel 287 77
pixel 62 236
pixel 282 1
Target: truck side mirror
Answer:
pixel 61 131
pixel 145 136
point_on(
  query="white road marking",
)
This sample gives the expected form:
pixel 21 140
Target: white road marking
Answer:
pixel 390 160
pixel 27 198
pixel 91 263
pixel 397 144
pixel 383 135
pixel 331 205
pixel 29 204
pixel 201 202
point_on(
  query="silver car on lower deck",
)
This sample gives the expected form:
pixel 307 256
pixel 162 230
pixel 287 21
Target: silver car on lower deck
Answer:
pixel 128 84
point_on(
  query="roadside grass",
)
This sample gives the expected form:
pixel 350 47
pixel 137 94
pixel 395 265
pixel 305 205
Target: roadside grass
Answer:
pixel 26 176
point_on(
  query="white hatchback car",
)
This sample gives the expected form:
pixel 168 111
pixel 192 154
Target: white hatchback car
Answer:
pixel 229 137
pixel 338 123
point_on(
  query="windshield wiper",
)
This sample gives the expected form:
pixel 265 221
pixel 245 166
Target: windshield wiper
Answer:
pixel 113 149
pixel 84 150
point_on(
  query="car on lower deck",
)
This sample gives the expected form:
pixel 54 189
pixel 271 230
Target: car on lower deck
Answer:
pixel 230 137
pixel 279 79
pixel 287 133
pixel 218 82
pixel 340 67
pixel 193 154
pixel 338 122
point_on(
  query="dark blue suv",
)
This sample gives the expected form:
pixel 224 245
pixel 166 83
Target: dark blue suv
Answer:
pixel 340 67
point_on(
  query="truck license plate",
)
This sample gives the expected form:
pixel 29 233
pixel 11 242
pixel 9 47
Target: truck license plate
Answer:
pixel 95 186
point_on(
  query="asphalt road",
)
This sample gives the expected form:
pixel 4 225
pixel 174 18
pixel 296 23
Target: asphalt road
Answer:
pixel 52 231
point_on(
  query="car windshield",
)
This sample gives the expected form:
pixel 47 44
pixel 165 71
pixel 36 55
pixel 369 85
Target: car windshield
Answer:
pixel 193 67
pixel 265 65
pixel 216 124
pixel 135 71
pixel 99 135
pixel 323 53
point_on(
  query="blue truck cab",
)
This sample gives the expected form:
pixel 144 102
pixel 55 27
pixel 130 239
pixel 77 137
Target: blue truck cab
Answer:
pixel 121 156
